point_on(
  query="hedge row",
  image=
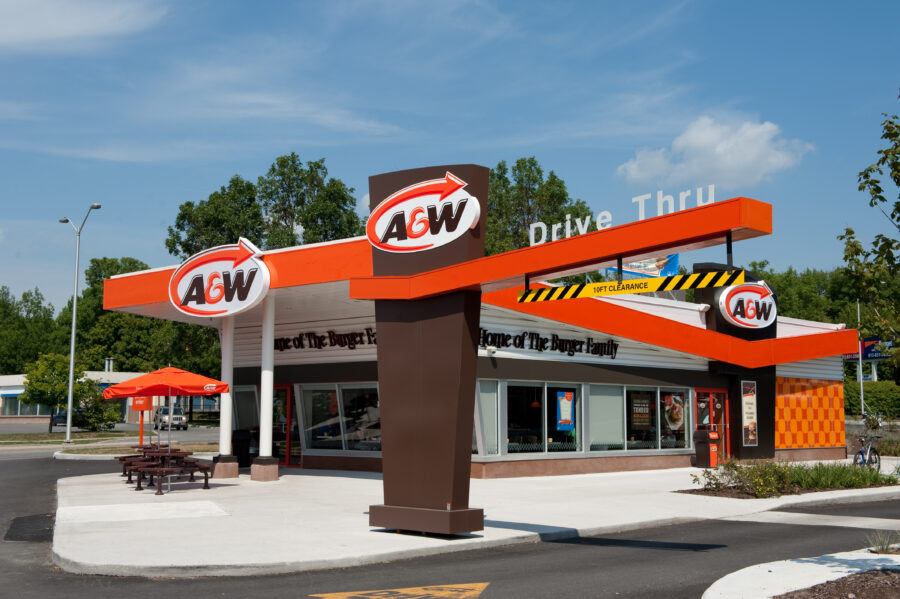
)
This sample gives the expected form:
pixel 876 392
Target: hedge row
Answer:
pixel 881 396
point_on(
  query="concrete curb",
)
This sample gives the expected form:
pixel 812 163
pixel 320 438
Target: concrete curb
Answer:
pixel 354 550
pixel 92 457
pixel 74 566
pixel 85 457
pixel 776 578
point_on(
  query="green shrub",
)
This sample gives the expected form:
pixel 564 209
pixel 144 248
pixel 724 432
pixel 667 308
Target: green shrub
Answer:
pixel 772 479
pixel 881 396
pixel 96 413
pixel 888 447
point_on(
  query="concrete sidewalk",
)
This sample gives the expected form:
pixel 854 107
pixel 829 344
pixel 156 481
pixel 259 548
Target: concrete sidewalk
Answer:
pixel 776 578
pixel 311 520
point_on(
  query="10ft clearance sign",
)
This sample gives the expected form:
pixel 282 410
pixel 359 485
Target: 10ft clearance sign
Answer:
pixel 220 281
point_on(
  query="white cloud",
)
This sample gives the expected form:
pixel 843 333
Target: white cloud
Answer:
pixel 262 105
pixel 252 80
pixel 728 154
pixel 131 151
pixel 66 25
pixel 16 111
pixel 362 206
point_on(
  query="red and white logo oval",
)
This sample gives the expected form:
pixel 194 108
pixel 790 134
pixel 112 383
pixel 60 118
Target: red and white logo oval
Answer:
pixel 220 281
pixel 424 216
pixel 751 305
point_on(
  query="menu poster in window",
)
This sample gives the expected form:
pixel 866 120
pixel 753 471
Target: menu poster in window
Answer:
pixel 640 412
pixel 748 409
pixel 674 410
pixel 565 410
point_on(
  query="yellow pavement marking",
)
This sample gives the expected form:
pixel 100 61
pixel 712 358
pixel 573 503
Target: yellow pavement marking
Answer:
pixel 457 591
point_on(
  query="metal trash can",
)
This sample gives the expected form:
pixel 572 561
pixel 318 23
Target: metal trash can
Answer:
pixel 706 446
pixel 240 447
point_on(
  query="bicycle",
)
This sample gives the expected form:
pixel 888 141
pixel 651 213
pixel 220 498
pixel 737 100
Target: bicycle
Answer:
pixel 867 455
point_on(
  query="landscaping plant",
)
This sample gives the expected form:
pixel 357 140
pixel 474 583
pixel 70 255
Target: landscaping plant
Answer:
pixel 773 479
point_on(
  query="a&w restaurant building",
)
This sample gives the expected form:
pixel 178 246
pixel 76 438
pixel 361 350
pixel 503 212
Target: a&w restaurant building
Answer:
pixel 408 351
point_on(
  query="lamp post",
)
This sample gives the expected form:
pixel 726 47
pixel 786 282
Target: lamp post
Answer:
pixel 94 206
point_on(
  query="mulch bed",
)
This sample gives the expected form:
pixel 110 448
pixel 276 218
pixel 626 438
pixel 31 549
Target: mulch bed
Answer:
pixel 874 584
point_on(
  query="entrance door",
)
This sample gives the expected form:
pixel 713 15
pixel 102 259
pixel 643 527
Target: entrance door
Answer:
pixel 712 415
pixel 285 431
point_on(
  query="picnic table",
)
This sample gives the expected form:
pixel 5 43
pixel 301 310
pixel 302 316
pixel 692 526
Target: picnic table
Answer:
pixel 158 463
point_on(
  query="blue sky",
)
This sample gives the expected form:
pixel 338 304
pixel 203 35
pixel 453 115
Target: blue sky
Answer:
pixel 142 106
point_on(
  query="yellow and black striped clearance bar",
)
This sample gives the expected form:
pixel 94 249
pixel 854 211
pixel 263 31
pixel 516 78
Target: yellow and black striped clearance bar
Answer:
pixel 698 280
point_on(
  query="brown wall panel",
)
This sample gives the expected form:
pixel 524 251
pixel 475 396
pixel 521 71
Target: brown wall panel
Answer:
pixel 818 453
pixel 577 466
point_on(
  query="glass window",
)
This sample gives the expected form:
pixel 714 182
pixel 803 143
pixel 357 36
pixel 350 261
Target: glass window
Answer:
pixel 246 408
pixel 321 419
pixel 702 409
pixel 641 414
pixel 525 418
pixel 362 418
pixel 673 410
pixel 27 409
pixel 607 418
pixel 489 400
pixel 10 406
pixel 563 422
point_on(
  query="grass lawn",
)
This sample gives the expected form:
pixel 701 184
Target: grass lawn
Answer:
pixel 127 449
pixel 53 438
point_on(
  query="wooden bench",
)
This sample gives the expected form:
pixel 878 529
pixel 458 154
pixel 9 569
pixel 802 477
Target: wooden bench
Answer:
pixel 204 469
pixel 124 459
pixel 158 472
pixel 135 466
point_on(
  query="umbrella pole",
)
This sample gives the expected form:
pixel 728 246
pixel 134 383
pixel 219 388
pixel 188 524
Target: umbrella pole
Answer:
pixel 142 428
pixel 170 421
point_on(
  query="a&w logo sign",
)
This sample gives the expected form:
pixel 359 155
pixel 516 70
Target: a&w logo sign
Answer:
pixel 751 306
pixel 220 281
pixel 424 216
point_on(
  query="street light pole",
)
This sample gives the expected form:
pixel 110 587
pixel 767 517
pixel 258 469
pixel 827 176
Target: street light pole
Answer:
pixel 94 206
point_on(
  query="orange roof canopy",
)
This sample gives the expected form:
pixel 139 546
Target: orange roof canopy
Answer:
pixel 704 226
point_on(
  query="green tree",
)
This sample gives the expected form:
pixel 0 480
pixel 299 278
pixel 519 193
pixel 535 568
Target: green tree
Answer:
pixel 227 214
pixel 188 346
pixel 283 193
pixel 872 272
pixel 803 295
pixel 331 215
pixel 90 309
pixel 302 205
pixel 47 382
pixel 126 338
pixel 521 196
pixel 27 329
pixel 96 413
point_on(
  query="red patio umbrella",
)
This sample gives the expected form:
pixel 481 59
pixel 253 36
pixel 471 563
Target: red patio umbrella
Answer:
pixel 166 381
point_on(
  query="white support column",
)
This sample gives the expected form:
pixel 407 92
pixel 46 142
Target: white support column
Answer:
pixel 226 341
pixel 267 377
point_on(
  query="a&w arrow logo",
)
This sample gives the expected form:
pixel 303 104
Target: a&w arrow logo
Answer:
pixel 750 306
pixel 423 216
pixel 220 281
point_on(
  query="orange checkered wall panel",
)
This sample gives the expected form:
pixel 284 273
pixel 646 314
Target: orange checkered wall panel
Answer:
pixel 808 413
